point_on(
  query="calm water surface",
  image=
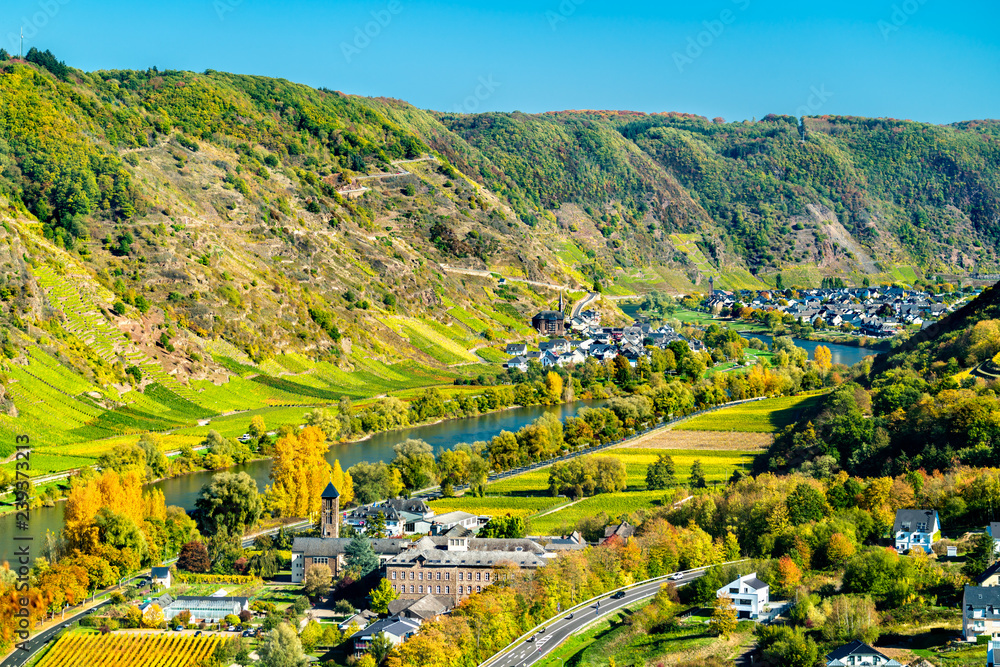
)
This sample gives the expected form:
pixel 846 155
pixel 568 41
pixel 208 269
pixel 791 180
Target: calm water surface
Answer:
pixel 183 491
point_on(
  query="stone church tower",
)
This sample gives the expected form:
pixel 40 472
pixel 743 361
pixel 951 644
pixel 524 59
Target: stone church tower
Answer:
pixel 329 523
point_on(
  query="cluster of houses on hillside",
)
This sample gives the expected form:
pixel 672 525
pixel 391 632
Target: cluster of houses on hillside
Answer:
pixel 591 341
pixel 878 312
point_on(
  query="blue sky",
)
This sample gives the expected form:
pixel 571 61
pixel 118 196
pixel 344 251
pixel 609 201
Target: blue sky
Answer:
pixel 920 59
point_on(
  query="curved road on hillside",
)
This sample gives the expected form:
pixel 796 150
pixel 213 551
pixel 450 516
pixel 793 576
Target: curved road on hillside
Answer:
pixel 534 648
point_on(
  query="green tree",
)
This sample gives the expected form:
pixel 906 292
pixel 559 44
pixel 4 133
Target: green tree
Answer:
pixel 360 557
pixel 782 646
pixel 382 595
pixel 231 500
pixel 696 480
pixel 661 473
pixel 157 463
pixel 503 527
pixel 416 464
pixel 980 557
pixel 806 504
pixel 281 648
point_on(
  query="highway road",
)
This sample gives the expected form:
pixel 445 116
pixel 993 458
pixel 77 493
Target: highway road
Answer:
pixel 537 646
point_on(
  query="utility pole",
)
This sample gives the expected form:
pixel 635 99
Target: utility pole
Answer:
pixel 20 54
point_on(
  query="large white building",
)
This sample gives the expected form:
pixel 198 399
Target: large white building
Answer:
pixel 750 596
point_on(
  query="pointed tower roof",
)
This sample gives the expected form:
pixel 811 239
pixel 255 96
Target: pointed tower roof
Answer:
pixel 330 491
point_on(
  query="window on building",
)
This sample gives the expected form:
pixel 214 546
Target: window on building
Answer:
pixel 486 576
pixel 461 576
pixel 320 560
pixel 478 589
pixel 479 576
pixel 420 589
pixel 411 588
pixel 420 576
pixel 411 575
pixel 461 589
pixel 447 576
pixel 438 590
pixel 447 590
pixel 734 590
pixel 439 576
pixel 393 574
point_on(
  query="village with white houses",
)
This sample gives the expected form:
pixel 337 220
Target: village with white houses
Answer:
pixel 875 312
pixel 589 340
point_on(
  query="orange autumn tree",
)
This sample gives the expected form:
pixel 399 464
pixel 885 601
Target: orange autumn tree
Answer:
pixel 299 474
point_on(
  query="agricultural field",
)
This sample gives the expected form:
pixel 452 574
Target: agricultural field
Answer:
pixel 130 650
pixel 614 505
pixel 767 416
pixel 497 505
pixel 707 440
pixel 524 491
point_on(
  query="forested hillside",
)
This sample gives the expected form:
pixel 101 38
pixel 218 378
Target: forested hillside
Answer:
pixel 180 230
pixel 931 403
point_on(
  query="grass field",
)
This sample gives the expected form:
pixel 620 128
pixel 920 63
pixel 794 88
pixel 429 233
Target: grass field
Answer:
pixel 768 416
pixel 525 494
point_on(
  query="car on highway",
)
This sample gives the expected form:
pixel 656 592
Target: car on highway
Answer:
pixel 570 617
pixel 530 639
pixel 676 576
pixel 618 596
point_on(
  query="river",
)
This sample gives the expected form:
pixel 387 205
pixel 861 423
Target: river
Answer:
pixel 840 354
pixel 183 491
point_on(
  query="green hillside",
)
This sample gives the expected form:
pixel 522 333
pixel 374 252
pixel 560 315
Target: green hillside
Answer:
pixel 175 245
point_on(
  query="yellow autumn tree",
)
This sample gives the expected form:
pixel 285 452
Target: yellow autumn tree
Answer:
pixel 342 480
pixel 553 387
pixel 120 493
pixel 823 358
pixel 300 473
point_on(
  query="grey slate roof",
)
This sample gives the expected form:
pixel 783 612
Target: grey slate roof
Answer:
pixel 482 552
pixel 912 518
pixel 754 583
pixel 330 491
pixel 334 546
pixel 857 648
pixel 423 608
pixel 982 597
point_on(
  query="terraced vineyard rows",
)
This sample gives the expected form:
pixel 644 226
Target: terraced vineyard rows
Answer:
pixel 130 650
pixel 85 321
